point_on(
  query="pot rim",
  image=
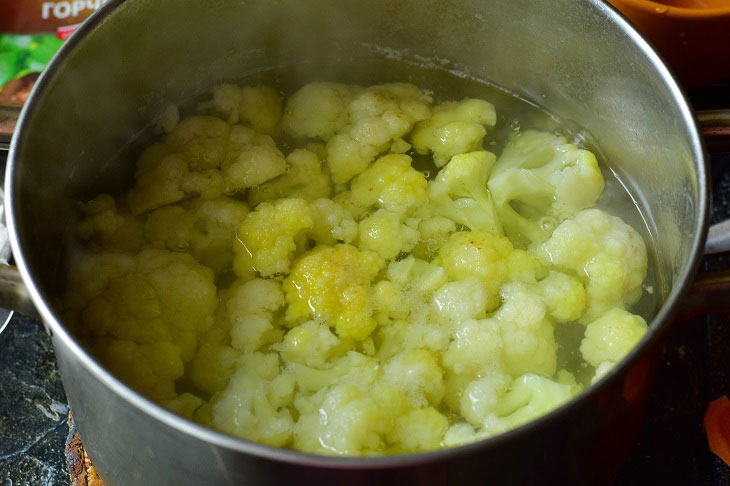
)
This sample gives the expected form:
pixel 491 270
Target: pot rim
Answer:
pixel 658 326
pixel 660 10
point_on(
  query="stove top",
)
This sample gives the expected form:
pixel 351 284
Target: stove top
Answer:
pixel 672 447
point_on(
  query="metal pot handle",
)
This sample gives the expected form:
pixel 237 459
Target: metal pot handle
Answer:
pixel 715 126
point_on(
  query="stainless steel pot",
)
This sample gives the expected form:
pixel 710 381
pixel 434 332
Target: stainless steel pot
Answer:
pixel 579 58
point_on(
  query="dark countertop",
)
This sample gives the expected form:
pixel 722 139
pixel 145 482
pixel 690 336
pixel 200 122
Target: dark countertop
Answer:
pixel 672 448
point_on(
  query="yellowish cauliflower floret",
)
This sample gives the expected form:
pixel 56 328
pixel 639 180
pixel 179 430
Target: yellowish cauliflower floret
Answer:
pixel 250 308
pixel 311 344
pixel 149 368
pixel 201 140
pixel 612 336
pixel 564 296
pixel 246 409
pixel 269 234
pixel 109 228
pixel 334 284
pixel 214 360
pixel 417 373
pixel 259 107
pixel 185 405
pixel 251 159
pixel 454 128
pixel 306 178
pixel 435 231
pixel 318 110
pixel 390 183
pixel 333 223
pixel 525 268
pixel 164 178
pixel 348 423
pixel 153 297
pixel 383 233
pixel 527 334
pixel 478 254
pixel 420 429
pixel 206 229
pixel 606 253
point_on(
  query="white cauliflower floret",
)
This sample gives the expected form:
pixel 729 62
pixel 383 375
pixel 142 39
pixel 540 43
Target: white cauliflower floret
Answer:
pixel 311 344
pixel 476 348
pixel 390 183
pixel 333 223
pixel 269 235
pixel 478 254
pixel 205 229
pixel 334 285
pixel 527 334
pixel 417 373
pixel 245 408
pixel 348 423
pixel 454 128
pixel 608 255
pixel 107 227
pixel 460 300
pixel 250 309
pixel 306 178
pixel 201 140
pixel 250 159
pixel 164 178
pixel 539 180
pixel 384 233
pixel 483 397
pixel 352 369
pixel 318 110
pixel 612 336
pixel 420 429
pixel 259 106
pixel 460 192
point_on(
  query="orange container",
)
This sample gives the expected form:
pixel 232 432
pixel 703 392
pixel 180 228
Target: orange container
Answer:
pixel 692 35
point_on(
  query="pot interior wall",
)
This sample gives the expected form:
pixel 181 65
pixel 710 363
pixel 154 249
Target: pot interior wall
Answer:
pixel 561 54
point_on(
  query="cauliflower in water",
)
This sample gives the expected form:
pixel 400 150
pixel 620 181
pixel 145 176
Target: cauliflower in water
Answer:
pixel 454 128
pixel 351 306
pixel 604 252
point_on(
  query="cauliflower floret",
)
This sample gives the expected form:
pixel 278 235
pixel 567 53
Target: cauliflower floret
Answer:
pixel 419 430
pixel 565 297
pixel 461 434
pixel 608 255
pixel 483 397
pixel 164 178
pixel 250 159
pixel 379 116
pixel 525 268
pixel 352 369
pixel 527 334
pixel 478 254
pixel 460 192
pixel 185 405
pixel 476 348
pixel 206 229
pixel 245 407
pixel 332 223
pixel 318 110
pixel 435 232
pixel 460 300
pixel 383 233
pixel 311 344
pixel 417 373
pixel 390 183
pixel 150 368
pixel 269 235
pixel 107 228
pixel 612 336
pixel 258 106
pixel 155 296
pixel 546 179
pixel 214 360
pixel 201 140
pixel 454 128
pixel 333 284
pixel 349 422
pixel 306 178
pixel 250 309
